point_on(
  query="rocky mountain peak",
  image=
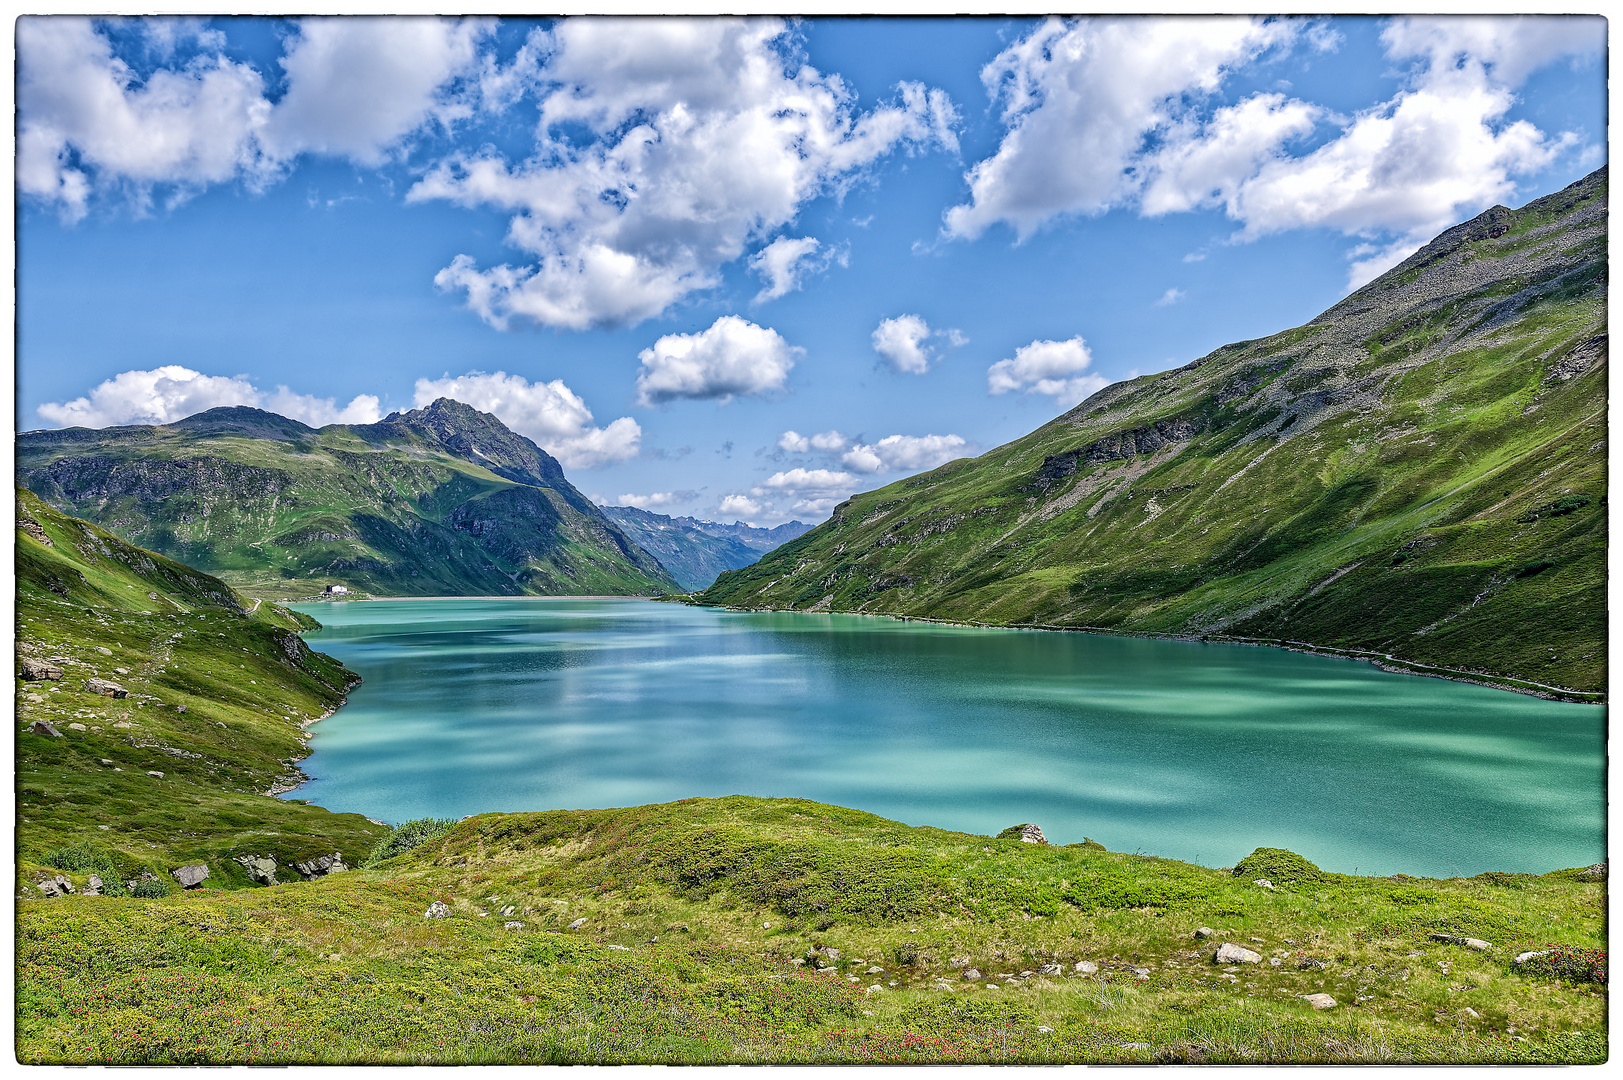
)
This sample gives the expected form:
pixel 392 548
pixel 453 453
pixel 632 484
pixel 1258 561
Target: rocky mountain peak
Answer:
pixel 474 435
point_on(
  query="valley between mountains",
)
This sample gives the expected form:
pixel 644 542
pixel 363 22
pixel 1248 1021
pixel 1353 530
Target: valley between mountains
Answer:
pixel 1416 476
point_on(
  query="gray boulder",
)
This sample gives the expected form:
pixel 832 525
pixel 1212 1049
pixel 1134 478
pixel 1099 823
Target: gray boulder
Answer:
pixel 1234 954
pixel 1205 932
pixel 1522 958
pixel 439 909
pixel 1320 1001
pixel 1468 942
pixel 40 727
pixel 93 887
pixel 49 888
pixel 36 670
pixel 1086 967
pixel 577 924
pixel 972 975
pixel 1031 834
pixel 1050 969
pixel 190 877
pixel 106 688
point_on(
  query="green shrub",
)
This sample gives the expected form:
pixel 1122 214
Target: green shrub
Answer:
pixel 87 858
pixel 1278 866
pixel 1568 964
pixel 152 888
pixel 408 835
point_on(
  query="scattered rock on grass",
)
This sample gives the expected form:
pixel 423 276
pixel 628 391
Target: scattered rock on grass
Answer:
pixel 40 727
pixel 106 688
pixel 1205 932
pixel 1593 873
pixel 512 926
pixel 972 975
pixel 439 909
pixel 1235 954
pixel 1523 958
pixel 1086 967
pixel 260 869
pixel 1320 1001
pixel 1469 942
pixel 577 924
pixel 321 865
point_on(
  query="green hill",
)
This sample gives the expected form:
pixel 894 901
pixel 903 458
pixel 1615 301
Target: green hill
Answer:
pixel 216 692
pixel 1417 476
pixel 441 500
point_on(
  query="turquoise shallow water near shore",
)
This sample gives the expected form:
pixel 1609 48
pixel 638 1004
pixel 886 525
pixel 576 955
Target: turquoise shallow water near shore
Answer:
pixel 1190 751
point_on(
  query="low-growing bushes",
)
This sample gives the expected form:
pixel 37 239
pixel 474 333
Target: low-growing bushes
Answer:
pixel 408 835
pixel 1567 963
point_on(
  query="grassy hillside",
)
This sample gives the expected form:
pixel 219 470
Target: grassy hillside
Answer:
pixel 755 930
pixel 1416 476
pixel 440 500
pixel 173 638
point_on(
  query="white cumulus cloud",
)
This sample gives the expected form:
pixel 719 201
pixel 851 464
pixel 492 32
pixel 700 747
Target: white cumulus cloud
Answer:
pixel 550 414
pixel 785 263
pixel 88 123
pixel 357 85
pixel 1053 368
pixel 649 501
pixel 825 441
pixel 741 506
pixel 1080 96
pixel 1170 297
pixel 688 139
pixel 165 394
pixel 732 357
pixel 903 453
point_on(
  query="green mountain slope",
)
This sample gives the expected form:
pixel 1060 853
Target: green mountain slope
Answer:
pixel 1418 473
pixel 441 500
pixel 217 692
pixel 696 552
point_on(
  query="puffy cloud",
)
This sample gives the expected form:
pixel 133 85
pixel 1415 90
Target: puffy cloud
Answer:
pixel 1079 98
pixel 898 453
pixel 732 357
pixel 741 506
pixel 665 147
pixel 785 263
pixel 88 123
pixel 356 86
pixel 801 481
pixel 903 341
pixel 84 119
pixel 1170 297
pixel 648 502
pixel 826 441
pixel 1106 112
pixel 550 414
pixel 1047 367
pixel 169 393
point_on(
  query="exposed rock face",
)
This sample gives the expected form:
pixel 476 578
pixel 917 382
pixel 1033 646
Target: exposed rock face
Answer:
pixel 106 688
pixel 1593 873
pixel 1115 447
pixel 1234 954
pixel 321 865
pixel 1031 834
pixel 190 877
pixel 37 670
pixel 260 868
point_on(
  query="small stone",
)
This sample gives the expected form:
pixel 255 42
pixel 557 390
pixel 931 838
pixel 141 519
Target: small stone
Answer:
pixel 182 708
pixel 104 650
pixel 1142 973
pixel 1320 1001
pixel 106 761
pixel 1264 882
pixel 106 688
pixel 439 909
pixel 1235 954
pixel 40 727
pixel 876 970
pixel 1050 969
pixel 121 671
pixel 1472 1013
pixel 155 773
pixel 1086 967
pixel 577 924
pixel 1523 958
pixel 77 727
pixel 190 877
pixel 972 975
pixel 1027 974
pixel 1259 941
pixel 958 962
pixel 1136 1046
pixel 1205 932
pixel 1046 1030
pixel 122 724
pixel 621 948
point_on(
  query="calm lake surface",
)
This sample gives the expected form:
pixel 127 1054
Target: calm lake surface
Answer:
pixel 1191 751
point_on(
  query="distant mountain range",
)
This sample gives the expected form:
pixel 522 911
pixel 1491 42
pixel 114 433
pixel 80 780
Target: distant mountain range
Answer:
pixel 695 551
pixel 440 500
pixel 1417 475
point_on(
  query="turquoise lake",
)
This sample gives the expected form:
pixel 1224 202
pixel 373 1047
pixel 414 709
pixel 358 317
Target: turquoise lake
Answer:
pixel 1199 752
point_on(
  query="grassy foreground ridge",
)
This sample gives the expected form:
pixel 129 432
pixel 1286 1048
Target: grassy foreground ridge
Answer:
pixel 1416 477
pixel 757 930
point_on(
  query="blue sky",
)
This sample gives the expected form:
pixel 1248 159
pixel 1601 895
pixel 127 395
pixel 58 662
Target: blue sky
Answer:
pixel 738 270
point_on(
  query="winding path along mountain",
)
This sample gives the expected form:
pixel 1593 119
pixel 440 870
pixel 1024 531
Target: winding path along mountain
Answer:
pixel 440 500
pixel 1417 475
